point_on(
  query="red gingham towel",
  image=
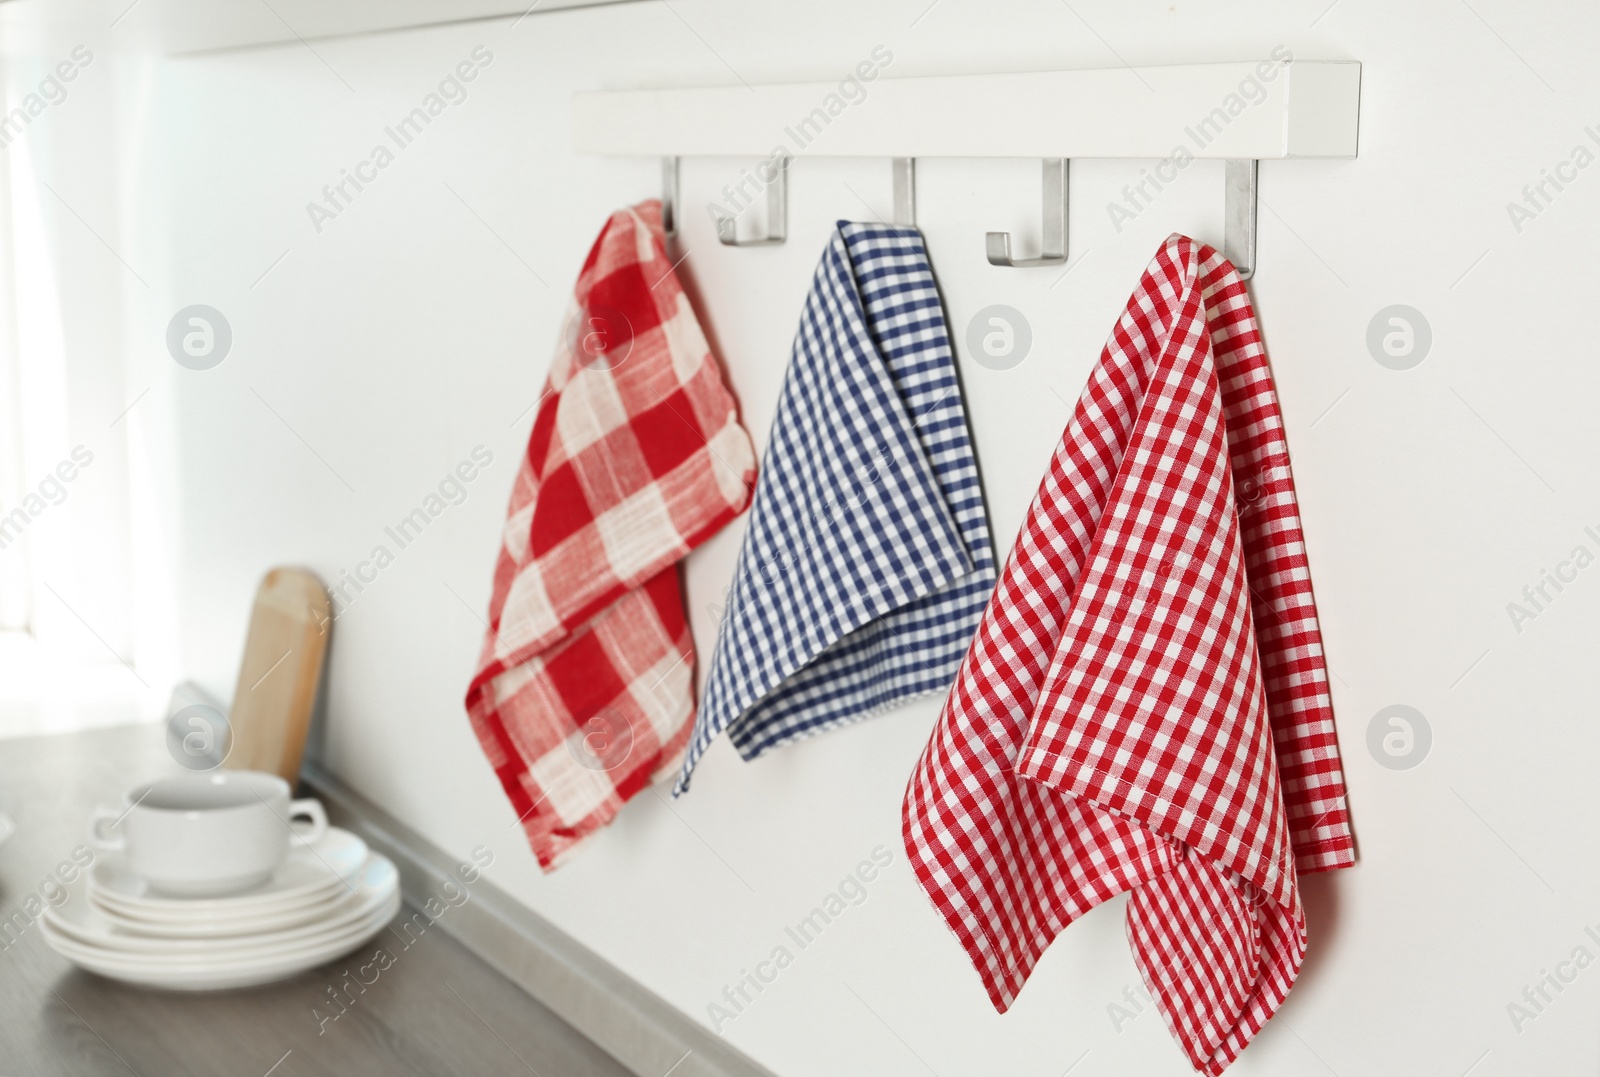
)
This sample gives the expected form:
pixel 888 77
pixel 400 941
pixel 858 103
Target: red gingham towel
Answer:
pixel 1145 705
pixel 585 688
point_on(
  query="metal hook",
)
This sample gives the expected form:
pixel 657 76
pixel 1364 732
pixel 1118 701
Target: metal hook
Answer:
pixel 905 191
pixel 669 196
pixel 1239 216
pixel 777 205
pixel 1054 252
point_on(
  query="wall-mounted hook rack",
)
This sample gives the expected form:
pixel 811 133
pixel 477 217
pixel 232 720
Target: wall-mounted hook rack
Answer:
pixel 777 212
pixel 1053 250
pixel 905 191
pixel 1241 113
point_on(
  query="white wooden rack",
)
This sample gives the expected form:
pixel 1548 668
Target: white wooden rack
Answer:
pixel 1242 113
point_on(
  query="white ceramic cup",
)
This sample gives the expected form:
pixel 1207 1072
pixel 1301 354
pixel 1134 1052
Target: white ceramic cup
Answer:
pixel 205 835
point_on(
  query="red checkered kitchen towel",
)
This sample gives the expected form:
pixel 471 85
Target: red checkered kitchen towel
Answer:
pixel 1145 706
pixel 584 693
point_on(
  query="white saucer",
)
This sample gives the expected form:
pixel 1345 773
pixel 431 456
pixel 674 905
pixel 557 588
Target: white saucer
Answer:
pixel 214 967
pixel 309 873
pixel 86 924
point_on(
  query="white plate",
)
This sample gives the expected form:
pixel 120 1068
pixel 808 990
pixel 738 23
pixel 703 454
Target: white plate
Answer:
pixel 251 973
pixel 308 875
pixel 86 924
pixel 224 927
pixel 231 920
pixel 218 968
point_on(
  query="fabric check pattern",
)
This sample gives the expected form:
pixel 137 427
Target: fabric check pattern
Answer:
pixel 1145 706
pixel 585 686
pixel 866 561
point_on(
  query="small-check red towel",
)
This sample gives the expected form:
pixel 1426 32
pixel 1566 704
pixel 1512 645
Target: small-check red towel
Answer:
pixel 1145 706
pixel 584 693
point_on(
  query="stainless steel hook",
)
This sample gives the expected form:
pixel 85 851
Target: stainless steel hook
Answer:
pixel 669 195
pixel 777 208
pixel 1054 245
pixel 905 191
pixel 1239 216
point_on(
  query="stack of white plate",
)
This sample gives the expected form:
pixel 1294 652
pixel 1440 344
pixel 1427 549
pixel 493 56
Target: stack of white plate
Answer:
pixel 326 900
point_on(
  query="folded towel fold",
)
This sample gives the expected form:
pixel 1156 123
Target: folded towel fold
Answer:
pixel 1145 706
pixel 585 687
pixel 866 559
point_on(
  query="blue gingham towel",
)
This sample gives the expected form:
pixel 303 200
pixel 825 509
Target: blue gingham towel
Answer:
pixel 866 562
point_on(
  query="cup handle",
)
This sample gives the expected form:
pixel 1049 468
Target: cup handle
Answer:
pixel 312 829
pixel 103 842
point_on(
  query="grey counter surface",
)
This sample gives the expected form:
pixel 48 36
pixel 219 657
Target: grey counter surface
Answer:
pixel 436 1010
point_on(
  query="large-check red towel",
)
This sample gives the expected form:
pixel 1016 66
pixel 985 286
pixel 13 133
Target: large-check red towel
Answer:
pixel 584 693
pixel 1145 706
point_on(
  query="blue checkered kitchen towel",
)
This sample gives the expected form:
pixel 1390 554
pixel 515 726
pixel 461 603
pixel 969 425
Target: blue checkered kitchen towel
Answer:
pixel 866 562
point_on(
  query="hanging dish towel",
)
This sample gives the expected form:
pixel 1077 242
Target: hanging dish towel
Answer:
pixel 1145 705
pixel 585 688
pixel 866 562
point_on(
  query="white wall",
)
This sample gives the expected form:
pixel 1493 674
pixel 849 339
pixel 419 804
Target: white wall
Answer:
pixel 377 354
